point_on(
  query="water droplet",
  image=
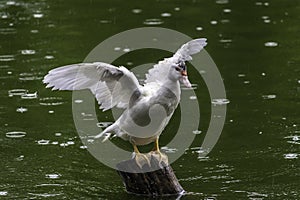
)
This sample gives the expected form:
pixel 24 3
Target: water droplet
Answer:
pixel 151 22
pixel 296 138
pixel 117 48
pixel 4 16
pixel 226 10
pixel 169 150
pixel 225 40
pixel 269 96
pixel 291 156
pixel 34 31
pixel 199 28
pixel 177 9
pixel 27 52
pixel 213 22
pixel 263 74
pixel 90 140
pixel 222 1
pixel 220 101
pixel 38 15
pixel 129 63
pixel 49 57
pixel 246 82
pixel 63 145
pixel 260 132
pixel 197 132
pixel 21 110
pixel 136 11
pixel 58 134
pixel 78 101
pixel 54 143
pixel 104 21
pixel 51 111
pixel 20 158
pixel 83 147
pixel 271 44
pixel 15 134
pixel 126 50
pixel 241 75
pixel 267 21
pixel 70 142
pixel 43 142
pixel 10 3
pixel 166 14
pixel 53 176
pixel 193 97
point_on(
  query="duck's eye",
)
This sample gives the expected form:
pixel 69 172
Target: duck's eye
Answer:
pixel 177 69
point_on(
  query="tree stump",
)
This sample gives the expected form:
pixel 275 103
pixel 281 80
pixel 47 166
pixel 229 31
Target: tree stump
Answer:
pixel 155 180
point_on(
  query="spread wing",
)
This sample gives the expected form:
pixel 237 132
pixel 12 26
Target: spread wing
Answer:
pixel 112 86
pixel 160 71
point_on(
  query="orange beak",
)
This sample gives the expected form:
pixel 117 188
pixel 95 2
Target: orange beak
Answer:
pixel 184 73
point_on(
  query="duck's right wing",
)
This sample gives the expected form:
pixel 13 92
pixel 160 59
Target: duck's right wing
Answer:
pixel 112 86
pixel 160 71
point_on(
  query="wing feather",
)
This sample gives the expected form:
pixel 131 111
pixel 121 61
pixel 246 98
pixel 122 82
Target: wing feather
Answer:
pixel 112 86
pixel 160 71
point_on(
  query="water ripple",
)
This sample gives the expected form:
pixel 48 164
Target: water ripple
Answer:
pixel 290 156
pixel 3 193
pixel 51 101
pixel 53 176
pixel 6 58
pixel 15 134
pixel 153 21
pixel 27 52
pixel 271 44
pixel 220 101
pixel 17 92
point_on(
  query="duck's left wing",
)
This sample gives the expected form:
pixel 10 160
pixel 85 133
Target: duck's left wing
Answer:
pixel 112 86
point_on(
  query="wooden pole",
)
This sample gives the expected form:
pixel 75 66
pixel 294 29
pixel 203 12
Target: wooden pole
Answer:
pixel 155 180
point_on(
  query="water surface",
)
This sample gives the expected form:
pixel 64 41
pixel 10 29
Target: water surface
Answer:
pixel 255 44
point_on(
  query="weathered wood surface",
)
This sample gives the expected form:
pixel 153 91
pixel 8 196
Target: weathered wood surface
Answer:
pixel 145 181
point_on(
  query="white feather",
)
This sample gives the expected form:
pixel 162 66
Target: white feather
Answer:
pixel 160 71
pixel 92 76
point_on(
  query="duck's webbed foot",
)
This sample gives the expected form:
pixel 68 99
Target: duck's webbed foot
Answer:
pixel 140 159
pixel 161 157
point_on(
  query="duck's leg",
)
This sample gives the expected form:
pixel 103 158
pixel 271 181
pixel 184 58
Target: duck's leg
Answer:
pixel 141 159
pixel 162 157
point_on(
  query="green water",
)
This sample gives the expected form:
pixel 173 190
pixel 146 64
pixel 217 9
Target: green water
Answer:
pixel 255 45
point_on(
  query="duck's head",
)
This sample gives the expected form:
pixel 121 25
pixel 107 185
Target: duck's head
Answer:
pixel 178 72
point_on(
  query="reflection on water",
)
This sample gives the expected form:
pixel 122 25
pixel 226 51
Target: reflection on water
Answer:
pixel 257 155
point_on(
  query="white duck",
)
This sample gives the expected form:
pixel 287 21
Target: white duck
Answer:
pixel 148 108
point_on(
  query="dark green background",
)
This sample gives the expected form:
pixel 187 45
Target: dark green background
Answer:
pixel 250 159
